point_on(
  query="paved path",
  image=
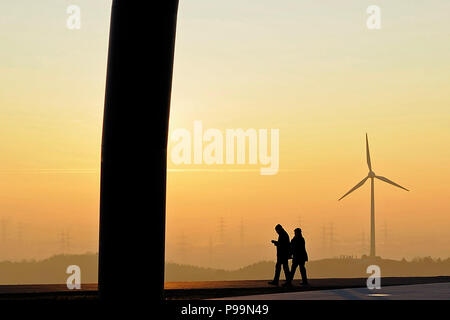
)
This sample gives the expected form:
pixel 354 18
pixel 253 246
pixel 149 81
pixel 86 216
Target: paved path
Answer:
pixel 432 291
pixel 219 289
pixel 43 288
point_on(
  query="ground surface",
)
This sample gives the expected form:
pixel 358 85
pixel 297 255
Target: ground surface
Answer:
pixel 47 292
pixel 339 288
pixel 431 291
pixel 219 289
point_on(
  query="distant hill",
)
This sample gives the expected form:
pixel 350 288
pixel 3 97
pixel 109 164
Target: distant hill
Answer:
pixel 49 271
pixel 53 269
pixel 326 268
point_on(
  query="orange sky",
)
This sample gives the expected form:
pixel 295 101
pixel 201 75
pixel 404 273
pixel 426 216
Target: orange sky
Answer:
pixel 312 70
pixel 316 73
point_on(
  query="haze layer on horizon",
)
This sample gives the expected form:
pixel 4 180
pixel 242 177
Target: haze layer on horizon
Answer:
pixel 311 69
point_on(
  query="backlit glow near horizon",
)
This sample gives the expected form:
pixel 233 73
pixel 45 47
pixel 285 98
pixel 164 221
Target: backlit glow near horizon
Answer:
pixel 52 89
pixel 310 70
pixel 313 70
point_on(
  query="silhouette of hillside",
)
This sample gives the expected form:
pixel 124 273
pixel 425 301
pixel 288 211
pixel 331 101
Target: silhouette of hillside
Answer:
pixel 326 268
pixel 53 269
pixel 49 271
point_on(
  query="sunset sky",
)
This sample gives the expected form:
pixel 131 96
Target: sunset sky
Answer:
pixel 311 69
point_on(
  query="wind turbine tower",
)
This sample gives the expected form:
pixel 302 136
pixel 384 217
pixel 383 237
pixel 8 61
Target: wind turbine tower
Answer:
pixel 371 175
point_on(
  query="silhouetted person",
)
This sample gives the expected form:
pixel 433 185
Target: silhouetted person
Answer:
pixel 299 256
pixel 282 254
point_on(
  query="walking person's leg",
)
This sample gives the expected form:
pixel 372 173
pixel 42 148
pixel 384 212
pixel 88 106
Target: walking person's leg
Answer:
pixel 287 273
pixel 303 273
pixel 277 272
pixel 276 278
pixel 293 269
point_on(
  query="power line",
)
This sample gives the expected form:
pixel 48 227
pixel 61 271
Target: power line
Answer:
pixel 4 229
pixel 222 229
pixel 242 232
pixel 65 241
pixel 329 238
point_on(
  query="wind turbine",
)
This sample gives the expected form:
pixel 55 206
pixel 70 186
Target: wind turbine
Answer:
pixel 372 177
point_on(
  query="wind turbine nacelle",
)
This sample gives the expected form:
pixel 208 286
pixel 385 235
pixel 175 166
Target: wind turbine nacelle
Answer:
pixel 371 174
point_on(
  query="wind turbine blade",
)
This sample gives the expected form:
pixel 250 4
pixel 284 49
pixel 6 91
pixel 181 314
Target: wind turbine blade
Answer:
pixel 390 182
pixel 354 188
pixel 368 153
